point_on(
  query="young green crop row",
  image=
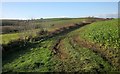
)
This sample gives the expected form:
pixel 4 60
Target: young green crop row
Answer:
pixel 105 35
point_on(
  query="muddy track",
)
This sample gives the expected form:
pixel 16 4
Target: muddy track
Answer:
pixel 55 48
pixel 104 53
pixel 59 51
pixel 96 48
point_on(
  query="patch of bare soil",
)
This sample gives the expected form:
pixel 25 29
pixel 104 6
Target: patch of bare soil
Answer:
pixel 58 50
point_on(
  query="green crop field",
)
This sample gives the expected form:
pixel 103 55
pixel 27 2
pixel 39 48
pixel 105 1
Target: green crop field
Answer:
pixel 90 48
pixel 102 37
pixel 60 37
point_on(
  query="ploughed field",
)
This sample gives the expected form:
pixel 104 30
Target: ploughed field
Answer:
pixel 69 45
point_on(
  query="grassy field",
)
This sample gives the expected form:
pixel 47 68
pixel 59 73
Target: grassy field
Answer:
pixel 49 25
pixel 91 48
pixel 102 37
pixel 104 33
pixel 6 38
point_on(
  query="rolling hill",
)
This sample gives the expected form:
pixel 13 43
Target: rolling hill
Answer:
pixel 89 48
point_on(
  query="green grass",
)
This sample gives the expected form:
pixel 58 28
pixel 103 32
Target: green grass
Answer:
pixel 58 23
pixel 78 56
pixel 6 38
pixel 26 59
pixel 104 33
pixel 38 56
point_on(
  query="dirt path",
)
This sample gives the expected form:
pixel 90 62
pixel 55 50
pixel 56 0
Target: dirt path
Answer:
pixel 21 44
pixel 55 47
pixel 58 49
pixel 106 54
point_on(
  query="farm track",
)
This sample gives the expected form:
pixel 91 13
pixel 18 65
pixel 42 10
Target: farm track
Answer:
pixel 56 34
pixel 98 50
pixel 63 31
pixel 56 49
pixel 62 55
pixel 60 34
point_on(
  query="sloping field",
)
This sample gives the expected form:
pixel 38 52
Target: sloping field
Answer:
pixel 47 24
pixel 91 48
pixel 7 38
pixel 101 37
